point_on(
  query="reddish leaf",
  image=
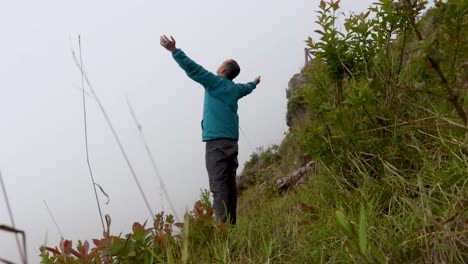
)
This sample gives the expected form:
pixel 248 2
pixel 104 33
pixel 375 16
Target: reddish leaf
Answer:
pixel 53 251
pixel 94 252
pixel 76 253
pixel 199 204
pixel 198 208
pixel 209 211
pixel 307 208
pixel 137 227
pixel 179 225
pixel 98 242
pixel 66 246
pixel 84 249
pixel 168 230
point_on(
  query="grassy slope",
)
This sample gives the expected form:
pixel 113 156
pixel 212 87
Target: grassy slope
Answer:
pixel 392 187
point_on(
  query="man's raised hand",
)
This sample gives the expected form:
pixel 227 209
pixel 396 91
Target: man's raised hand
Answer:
pixel 169 44
pixel 257 80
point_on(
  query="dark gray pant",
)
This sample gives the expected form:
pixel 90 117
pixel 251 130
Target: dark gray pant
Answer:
pixel 221 164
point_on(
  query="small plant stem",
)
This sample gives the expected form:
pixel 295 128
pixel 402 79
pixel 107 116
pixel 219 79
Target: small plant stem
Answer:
pixel 185 244
pixel 79 64
pixel 325 122
pixel 247 139
pixel 402 54
pixel 152 159
pixel 53 218
pixel 22 251
pixel 86 137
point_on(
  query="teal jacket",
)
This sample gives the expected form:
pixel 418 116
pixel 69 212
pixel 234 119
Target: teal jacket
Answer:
pixel 220 119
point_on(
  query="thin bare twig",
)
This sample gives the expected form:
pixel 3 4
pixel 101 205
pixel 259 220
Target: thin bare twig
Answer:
pixel 79 89
pixel 6 261
pixel 79 64
pixel 247 139
pixel 53 219
pixel 86 136
pixel 151 157
pixel 22 251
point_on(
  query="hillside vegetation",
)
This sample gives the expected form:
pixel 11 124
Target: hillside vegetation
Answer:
pixel 382 111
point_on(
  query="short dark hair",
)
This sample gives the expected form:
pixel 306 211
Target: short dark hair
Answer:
pixel 232 69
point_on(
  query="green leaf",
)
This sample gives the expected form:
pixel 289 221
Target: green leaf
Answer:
pixel 362 234
pixel 323 4
pixel 377 255
pixel 335 5
pixel 154 255
pixel 320 32
pixel 343 224
pixel 436 55
pixel 366 14
pixel 310 43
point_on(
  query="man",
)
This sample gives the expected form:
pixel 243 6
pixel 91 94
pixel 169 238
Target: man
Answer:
pixel 220 125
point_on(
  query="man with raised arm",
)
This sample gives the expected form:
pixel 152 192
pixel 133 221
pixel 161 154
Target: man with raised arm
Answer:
pixel 220 125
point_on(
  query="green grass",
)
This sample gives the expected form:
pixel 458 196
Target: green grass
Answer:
pixel 420 219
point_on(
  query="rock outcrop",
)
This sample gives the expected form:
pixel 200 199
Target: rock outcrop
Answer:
pixel 296 178
pixel 296 105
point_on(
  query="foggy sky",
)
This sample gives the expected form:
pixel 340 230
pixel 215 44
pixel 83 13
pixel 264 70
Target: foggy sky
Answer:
pixel 42 151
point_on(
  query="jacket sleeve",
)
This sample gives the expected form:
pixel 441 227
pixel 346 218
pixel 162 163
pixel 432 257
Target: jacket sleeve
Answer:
pixel 196 72
pixel 246 88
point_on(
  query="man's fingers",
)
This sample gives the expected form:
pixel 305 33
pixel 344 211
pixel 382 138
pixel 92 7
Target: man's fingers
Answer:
pixel 258 79
pixel 164 40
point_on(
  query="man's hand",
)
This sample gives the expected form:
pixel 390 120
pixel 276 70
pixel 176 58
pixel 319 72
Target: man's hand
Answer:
pixel 169 44
pixel 257 80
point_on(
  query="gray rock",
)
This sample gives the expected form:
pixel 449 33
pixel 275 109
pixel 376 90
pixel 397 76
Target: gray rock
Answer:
pixel 296 178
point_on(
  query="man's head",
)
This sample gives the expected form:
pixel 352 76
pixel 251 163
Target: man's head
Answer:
pixel 229 69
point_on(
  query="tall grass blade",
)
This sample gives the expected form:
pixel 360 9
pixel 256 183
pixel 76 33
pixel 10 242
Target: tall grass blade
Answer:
pixel 247 140
pixel 186 240
pixel 362 233
pixel 53 218
pixel 79 64
pixel 342 224
pixel 86 136
pixel 152 159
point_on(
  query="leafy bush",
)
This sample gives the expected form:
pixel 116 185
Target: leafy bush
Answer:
pixel 383 110
pixel 156 244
